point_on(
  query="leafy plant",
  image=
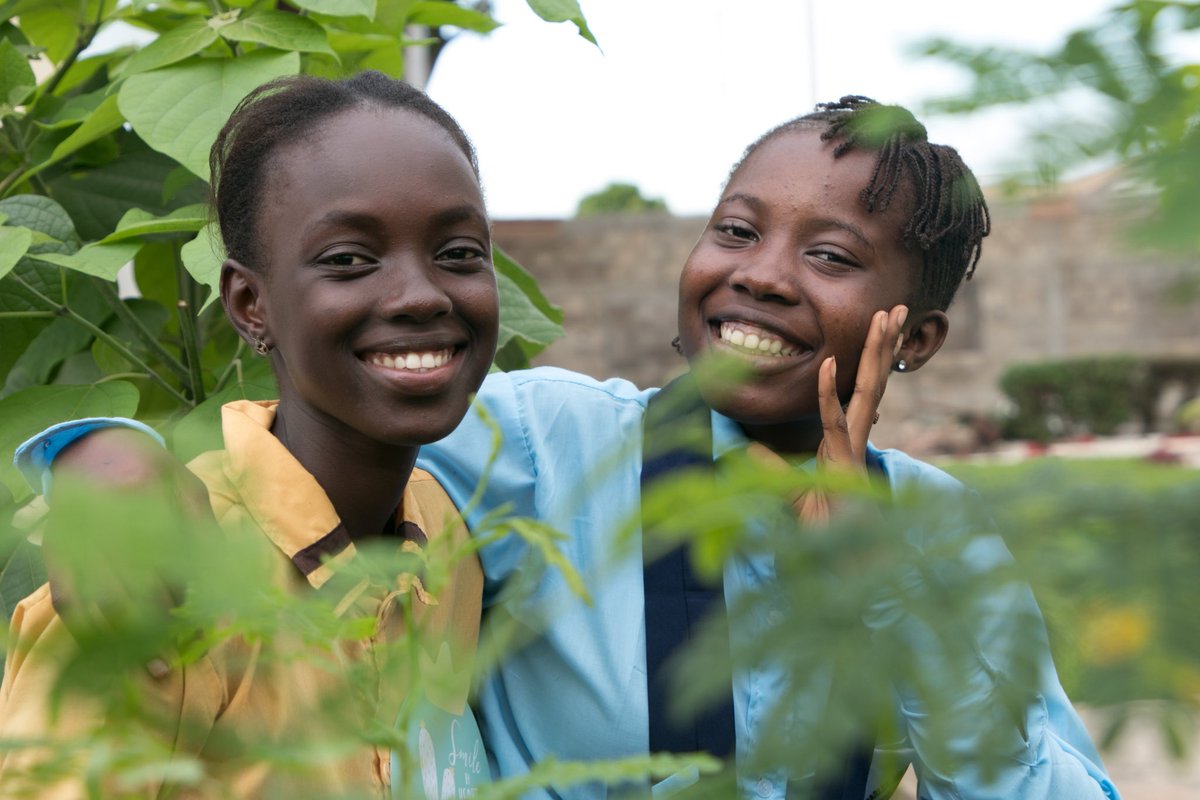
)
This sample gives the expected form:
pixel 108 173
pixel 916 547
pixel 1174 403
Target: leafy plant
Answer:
pixel 1058 398
pixel 1143 107
pixel 104 163
pixel 619 198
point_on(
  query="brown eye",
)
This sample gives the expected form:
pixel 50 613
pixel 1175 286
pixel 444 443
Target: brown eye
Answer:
pixel 344 260
pixel 737 231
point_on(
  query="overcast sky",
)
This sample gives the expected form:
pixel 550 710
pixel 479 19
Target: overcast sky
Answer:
pixel 679 87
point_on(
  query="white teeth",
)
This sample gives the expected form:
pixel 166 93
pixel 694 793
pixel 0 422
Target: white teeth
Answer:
pixel 412 361
pixel 760 342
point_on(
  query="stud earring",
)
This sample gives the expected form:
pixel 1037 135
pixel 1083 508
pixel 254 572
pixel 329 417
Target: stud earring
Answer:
pixel 677 345
pixel 901 366
pixel 261 347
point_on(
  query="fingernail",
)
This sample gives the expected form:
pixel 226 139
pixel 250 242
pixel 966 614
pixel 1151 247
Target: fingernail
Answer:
pixel 833 367
pixel 883 320
pixel 903 315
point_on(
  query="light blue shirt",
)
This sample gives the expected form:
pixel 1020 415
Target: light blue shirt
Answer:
pixel 571 457
pixel 576 690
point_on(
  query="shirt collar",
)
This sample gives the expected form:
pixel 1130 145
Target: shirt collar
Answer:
pixel 728 436
pixel 285 500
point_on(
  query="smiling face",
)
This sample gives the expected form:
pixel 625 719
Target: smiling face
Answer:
pixel 788 272
pixel 378 294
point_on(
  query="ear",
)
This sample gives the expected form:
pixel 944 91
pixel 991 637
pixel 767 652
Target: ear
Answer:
pixel 244 300
pixel 923 336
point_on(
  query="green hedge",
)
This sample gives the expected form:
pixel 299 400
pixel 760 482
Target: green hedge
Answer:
pixel 1077 396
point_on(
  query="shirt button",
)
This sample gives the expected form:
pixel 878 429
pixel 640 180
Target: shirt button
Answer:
pixel 765 788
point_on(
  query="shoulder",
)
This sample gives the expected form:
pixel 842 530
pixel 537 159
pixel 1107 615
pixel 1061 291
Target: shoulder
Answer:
pixel 554 385
pixel 425 495
pixel 905 472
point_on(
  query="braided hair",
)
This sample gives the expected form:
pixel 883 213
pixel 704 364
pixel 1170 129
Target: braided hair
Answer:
pixel 949 217
pixel 285 111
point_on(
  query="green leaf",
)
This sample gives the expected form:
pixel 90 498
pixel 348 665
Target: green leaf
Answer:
pixel 52 25
pixel 202 258
pixel 434 14
pixel 340 8
pixel 280 30
pixel 137 222
pixel 97 198
pixel 351 41
pixel 21 571
pixel 200 430
pixel 103 121
pixel 99 259
pixel 153 317
pixel 40 213
pixel 505 265
pixel 16 76
pixel 189 38
pixel 72 111
pixel 56 342
pixel 528 321
pixel 562 11
pixel 25 413
pixel 178 110
pixel 14 242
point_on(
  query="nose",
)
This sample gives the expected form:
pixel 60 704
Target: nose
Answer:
pixel 767 276
pixel 413 291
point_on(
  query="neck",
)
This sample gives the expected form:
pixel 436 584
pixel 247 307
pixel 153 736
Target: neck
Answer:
pixel 363 479
pixel 797 438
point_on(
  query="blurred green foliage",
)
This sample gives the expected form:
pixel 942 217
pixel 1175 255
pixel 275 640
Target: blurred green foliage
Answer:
pixel 1094 396
pixel 1139 106
pixel 1112 551
pixel 619 198
pixel 1072 397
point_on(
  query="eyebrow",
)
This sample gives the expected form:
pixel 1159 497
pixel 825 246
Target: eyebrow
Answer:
pixel 759 206
pixel 373 223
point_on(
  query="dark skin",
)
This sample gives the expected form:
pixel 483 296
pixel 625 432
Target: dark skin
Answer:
pixel 392 260
pixel 792 258
pixel 378 248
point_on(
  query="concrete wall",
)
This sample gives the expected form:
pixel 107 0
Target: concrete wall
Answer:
pixel 1056 280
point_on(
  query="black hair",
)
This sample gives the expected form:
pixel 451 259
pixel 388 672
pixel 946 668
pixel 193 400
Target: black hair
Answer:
pixel 949 216
pixel 284 111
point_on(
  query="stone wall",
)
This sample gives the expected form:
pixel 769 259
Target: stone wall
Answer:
pixel 1056 280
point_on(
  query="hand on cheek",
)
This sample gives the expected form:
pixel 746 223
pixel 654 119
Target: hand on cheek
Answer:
pixel 846 429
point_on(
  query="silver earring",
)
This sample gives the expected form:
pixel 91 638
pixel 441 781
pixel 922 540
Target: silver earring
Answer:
pixel 261 347
pixel 901 365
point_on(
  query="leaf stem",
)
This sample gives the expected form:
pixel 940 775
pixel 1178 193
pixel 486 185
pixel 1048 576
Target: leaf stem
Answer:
pixel 109 294
pixel 186 290
pixel 27 315
pixel 108 339
pixel 191 346
pixel 123 376
pixel 234 367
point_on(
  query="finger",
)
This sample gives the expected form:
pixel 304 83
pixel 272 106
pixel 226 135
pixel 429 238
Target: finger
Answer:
pixel 835 447
pixel 868 385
